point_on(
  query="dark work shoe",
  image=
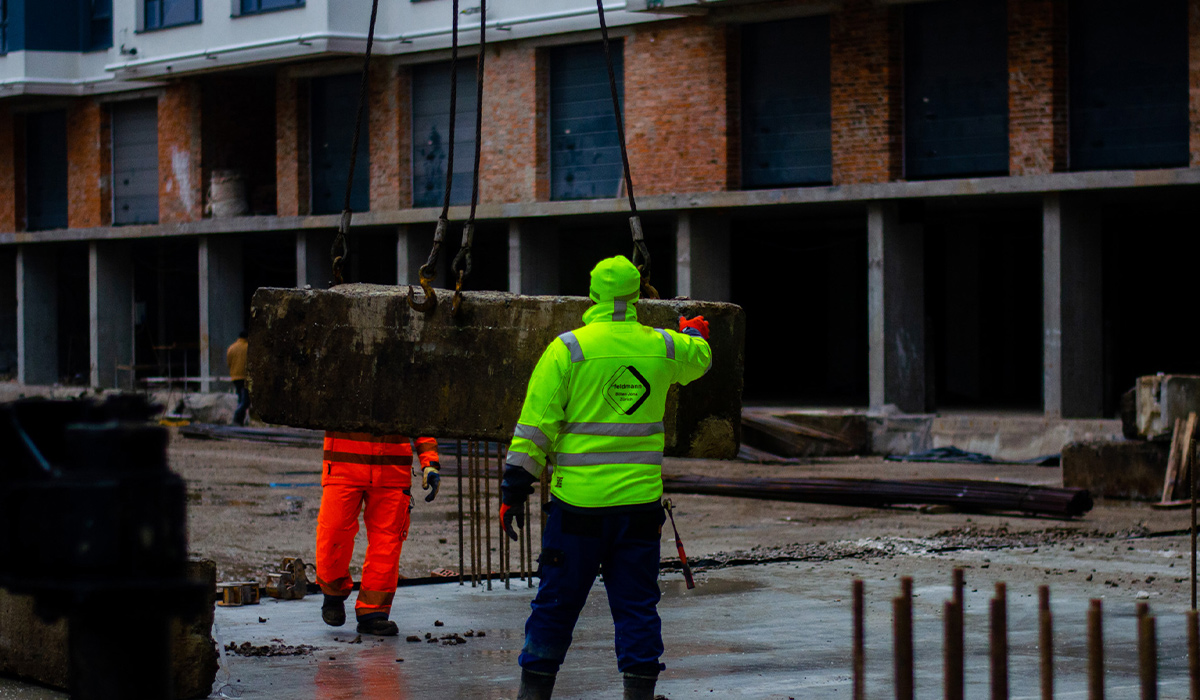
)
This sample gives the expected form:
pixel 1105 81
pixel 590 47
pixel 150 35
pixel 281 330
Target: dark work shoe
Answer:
pixel 381 627
pixel 333 610
pixel 536 686
pixel 639 687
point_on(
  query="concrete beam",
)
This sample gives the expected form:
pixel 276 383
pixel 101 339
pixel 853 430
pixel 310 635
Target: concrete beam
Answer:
pixel 702 249
pixel 221 305
pixel 749 199
pixel 533 248
pixel 468 374
pixel 110 314
pixel 37 315
pixel 896 310
pixel 314 265
pixel 1072 309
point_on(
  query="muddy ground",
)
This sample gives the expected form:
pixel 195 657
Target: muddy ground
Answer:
pixel 251 504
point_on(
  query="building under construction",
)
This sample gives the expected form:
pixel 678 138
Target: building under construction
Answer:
pixel 946 204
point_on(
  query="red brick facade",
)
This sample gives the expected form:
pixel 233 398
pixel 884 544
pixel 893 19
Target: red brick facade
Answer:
pixel 1194 78
pixel 1037 91
pixel 865 58
pixel 515 165
pixel 292 186
pixel 391 137
pixel 11 215
pixel 676 117
pixel 89 165
pixel 181 180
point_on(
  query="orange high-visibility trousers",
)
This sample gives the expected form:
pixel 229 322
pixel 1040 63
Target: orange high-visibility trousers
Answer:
pixel 385 513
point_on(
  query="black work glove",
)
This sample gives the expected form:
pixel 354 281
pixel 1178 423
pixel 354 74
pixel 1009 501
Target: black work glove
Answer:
pixel 510 513
pixel 431 480
pixel 514 490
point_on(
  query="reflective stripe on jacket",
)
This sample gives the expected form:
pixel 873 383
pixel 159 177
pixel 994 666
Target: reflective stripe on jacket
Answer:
pixel 363 459
pixel 595 403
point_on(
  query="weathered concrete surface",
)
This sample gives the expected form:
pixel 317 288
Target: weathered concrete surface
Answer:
pixel 1132 469
pixel 358 358
pixel 36 650
pixel 1163 398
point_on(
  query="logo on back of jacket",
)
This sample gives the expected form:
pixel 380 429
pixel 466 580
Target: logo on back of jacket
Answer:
pixel 626 390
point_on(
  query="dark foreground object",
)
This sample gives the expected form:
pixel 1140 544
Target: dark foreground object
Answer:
pixel 93 527
pixel 1132 469
pixel 962 494
pixel 357 358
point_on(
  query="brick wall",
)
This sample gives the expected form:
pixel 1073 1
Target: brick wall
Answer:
pixel 515 152
pixel 865 54
pixel 10 214
pixel 181 181
pixel 291 146
pixel 391 137
pixel 1194 78
pixel 676 121
pixel 1037 94
pixel 89 165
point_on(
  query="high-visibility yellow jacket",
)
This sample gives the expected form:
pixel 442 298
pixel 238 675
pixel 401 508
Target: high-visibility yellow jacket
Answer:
pixel 595 403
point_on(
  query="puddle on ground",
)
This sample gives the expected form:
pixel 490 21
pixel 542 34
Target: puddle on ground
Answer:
pixel 709 586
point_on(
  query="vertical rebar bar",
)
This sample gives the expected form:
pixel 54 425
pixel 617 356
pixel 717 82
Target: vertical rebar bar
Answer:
pixel 477 516
pixel 903 640
pixel 485 473
pixel 1147 657
pixel 859 658
pixel 1046 642
pixel 474 512
pixel 461 562
pixel 506 551
pixel 521 541
pixel 952 652
pixel 1192 497
pixel 999 642
pixel 1193 637
pixel 1095 641
pixel 529 542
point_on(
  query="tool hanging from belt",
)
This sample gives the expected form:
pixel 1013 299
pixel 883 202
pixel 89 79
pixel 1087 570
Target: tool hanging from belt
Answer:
pixel 687 569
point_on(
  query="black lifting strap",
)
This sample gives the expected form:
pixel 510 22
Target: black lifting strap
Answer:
pixel 462 261
pixel 341 248
pixel 641 254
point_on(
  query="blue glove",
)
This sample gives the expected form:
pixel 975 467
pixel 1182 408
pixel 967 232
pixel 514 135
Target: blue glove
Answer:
pixel 431 480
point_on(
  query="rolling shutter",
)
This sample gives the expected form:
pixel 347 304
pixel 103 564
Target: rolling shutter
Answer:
pixel 431 124
pixel 786 137
pixel 956 89
pixel 585 154
pixel 334 105
pixel 135 162
pixel 46 170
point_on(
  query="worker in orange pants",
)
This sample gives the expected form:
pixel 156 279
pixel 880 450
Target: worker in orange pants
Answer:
pixel 371 474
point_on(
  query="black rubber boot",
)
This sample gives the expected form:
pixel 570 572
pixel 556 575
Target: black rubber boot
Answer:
pixel 536 686
pixel 378 626
pixel 639 687
pixel 333 610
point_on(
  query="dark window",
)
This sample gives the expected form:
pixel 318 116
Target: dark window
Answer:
pixel 99 29
pixel 334 104
pixel 431 124
pixel 956 89
pixel 169 13
pixel 1128 84
pixel 585 154
pixel 785 104
pixel 250 7
pixel 46 170
pixel 3 26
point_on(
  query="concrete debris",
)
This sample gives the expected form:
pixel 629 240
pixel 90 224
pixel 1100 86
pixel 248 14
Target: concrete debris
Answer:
pixel 277 649
pixel 1163 398
pixel 1129 469
pixel 805 433
pixel 336 359
pixel 412 638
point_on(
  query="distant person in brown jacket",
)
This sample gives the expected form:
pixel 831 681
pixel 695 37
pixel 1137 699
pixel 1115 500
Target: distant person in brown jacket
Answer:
pixel 235 357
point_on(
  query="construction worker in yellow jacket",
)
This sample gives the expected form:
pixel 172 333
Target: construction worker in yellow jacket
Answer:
pixel 593 413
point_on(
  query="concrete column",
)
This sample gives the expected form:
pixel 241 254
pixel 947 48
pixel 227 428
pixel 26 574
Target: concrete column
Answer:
pixel 1072 310
pixel 110 313
pixel 411 253
pixel 533 247
pixel 8 310
pixel 702 268
pixel 221 305
pixel 896 310
pixel 37 315
pixel 314 266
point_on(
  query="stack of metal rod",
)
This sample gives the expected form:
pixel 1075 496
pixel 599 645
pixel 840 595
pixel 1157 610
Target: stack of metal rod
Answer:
pixel 485 464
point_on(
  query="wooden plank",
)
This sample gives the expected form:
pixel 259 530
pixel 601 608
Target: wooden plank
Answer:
pixel 1173 461
pixel 1186 457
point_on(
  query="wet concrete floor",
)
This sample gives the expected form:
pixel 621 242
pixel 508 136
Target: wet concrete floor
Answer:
pixel 766 631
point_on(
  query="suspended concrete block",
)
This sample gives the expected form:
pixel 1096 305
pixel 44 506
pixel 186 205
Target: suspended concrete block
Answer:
pixel 357 358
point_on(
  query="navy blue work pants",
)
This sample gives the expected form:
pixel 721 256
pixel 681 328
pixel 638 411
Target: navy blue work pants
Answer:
pixel 575 547
pixel 243 405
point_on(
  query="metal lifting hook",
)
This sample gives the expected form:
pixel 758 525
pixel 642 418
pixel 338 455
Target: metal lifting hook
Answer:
pixel 428 270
